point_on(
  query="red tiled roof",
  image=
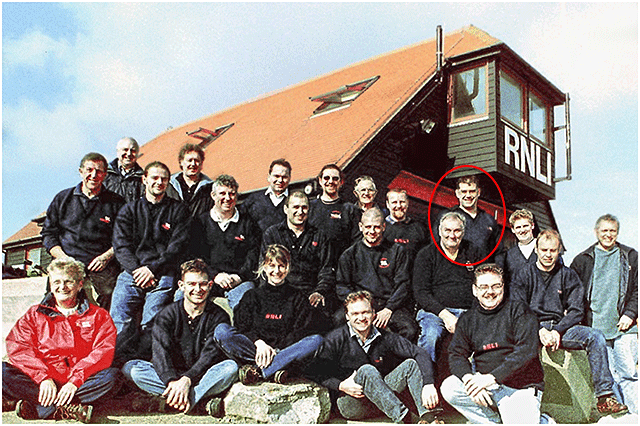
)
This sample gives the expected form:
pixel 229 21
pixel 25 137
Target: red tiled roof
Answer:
pixel 280 124
pixel 30 230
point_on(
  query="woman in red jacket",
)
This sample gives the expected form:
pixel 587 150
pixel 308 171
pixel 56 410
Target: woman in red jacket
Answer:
pixel 60 352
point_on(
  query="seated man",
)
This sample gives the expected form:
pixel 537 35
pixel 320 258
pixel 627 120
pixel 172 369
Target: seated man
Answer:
pixel 190 185
pixel 312 261
pixel 502 336
pixel 400 227
pixel 186 366
pixel 265 208
pixel 556 295
pixel 150 236
pixel 382 268
pixel 228 240
pixel 365 367
pixel 60 352
pixel 442 289
pixel 79 224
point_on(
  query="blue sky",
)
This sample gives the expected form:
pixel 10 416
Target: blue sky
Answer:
pixel 76 77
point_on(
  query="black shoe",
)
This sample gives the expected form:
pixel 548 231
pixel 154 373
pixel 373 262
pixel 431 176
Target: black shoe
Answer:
pixel 432 417
pixel 146 403
pixel 8 404
pixel 26 410
pixel 215 407
pixel 250 374
pixel 79 412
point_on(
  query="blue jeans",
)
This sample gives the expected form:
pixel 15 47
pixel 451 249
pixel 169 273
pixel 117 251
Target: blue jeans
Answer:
pixel 216 380
pixel 580 337
pixel 381 392
pixel 233 296
pixel 239 347
pixel 623 358
pixel 515 406
pixel 432 329
pixel 17 385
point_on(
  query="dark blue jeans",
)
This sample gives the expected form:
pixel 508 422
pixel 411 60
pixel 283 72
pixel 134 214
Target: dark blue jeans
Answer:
pixel 17 385
pixel 580 337
pixel 241 349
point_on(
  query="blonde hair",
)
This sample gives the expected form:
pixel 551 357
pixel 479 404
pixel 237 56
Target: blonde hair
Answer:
pixel 276 252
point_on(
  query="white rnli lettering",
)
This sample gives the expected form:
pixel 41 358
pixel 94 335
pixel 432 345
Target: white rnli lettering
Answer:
pixel 526 156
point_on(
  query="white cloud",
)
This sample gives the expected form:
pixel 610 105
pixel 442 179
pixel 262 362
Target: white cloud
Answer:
pixel 33 49
pixel 589 50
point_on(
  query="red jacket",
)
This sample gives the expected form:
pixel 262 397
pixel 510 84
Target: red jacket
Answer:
pixel 44 344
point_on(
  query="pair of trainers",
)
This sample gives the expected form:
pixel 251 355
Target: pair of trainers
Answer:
pixel 609 405
pixel 80 412
pixel 250 374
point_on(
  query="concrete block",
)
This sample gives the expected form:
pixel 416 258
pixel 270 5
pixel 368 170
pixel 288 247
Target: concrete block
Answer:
pixel 568 394
pixel 300 402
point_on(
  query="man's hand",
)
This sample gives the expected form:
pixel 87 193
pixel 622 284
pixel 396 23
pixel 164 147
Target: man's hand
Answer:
pixel 227 281
pixel 143 277
pixel 382 318
pixel 57 253
pixel 474 386
pixel 429 396
pixel 315 299
pixel 264 354
pixel 177 394
pixel 625 323
pixel 350 387
pixel 48 392
pixel 549 338
pixel 66 394
pixel 449 320
pixel 100 262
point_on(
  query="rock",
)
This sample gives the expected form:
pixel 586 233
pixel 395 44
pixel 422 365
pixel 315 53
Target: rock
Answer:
pixel 568 390
pixel 300 401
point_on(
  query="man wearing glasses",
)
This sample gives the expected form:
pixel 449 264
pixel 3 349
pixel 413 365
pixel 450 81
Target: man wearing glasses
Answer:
pixel 331 214
pixel 442 289
pixel 501 335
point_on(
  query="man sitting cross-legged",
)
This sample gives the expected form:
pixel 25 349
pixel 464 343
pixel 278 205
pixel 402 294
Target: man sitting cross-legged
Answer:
pixel 186 365
pixel 60 352
pixel 364 367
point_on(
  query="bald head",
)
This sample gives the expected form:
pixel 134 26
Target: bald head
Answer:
pixel 127 152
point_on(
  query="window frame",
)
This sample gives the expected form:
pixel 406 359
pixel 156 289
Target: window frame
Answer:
pixel 524 98
pixel 473 117
pixel 547 117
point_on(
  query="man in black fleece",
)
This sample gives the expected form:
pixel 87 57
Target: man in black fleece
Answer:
pixel 556 295
pixel 502 337
pixel 365 367
pixel 187 366
pixel 79 224
pixel 228 240
pixel 382 268
pixel 312 258
pixel 150 236
pixel 442 289
pixel 265 208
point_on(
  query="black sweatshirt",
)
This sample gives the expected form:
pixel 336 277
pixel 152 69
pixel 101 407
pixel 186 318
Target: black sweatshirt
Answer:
pixel 234 251
pixel 81 226
pixel 259 206
pixel 338 220
pixel 503 341
pixel 278 315
pixel 152 235
pixel 182 350
pixel 312 267
pixel 438 283
pixel 382 270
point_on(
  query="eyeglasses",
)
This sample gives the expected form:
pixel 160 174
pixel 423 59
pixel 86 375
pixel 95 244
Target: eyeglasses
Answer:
pixel 365 190
pixel 494 287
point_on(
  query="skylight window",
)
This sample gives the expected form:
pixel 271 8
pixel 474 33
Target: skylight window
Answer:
pixel 207 136
pixel 342 97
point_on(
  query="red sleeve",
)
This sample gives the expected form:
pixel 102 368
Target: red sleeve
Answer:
pixel 22 343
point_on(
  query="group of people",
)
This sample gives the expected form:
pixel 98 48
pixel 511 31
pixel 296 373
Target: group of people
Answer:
pixel 351 295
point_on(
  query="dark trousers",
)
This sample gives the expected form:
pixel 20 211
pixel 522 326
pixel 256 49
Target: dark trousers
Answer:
pixel 17 385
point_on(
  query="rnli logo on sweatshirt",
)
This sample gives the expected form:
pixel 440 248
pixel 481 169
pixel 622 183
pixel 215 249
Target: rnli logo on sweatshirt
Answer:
pixel 336 214
pixel 314 243
pixel 166 226
pixel 105 219
pixel 273 316
pixel 401 240
pixel 490 346
pixel 384 263
pixel 378 361
pixel 469 267
pixel 85 324
pixel 240 237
